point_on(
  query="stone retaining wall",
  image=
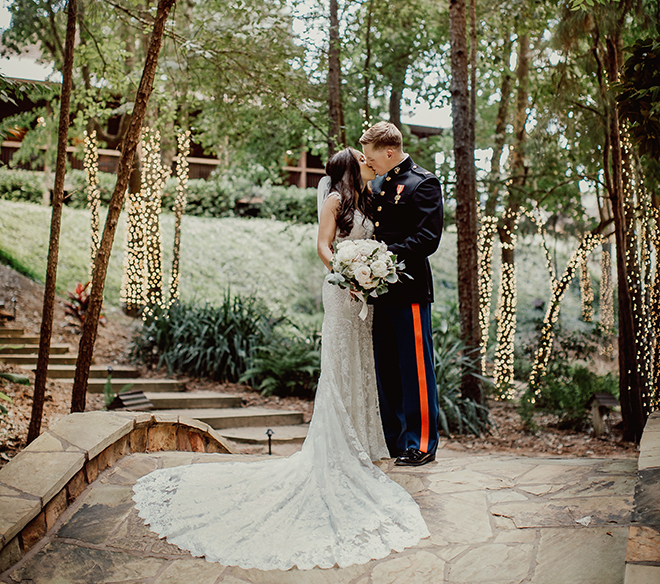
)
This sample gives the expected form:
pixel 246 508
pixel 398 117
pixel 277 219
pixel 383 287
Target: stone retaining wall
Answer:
pixel 643 552
pixel 40 482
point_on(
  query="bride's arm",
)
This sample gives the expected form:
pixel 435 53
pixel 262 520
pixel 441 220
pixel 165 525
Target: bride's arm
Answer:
pixel 327 229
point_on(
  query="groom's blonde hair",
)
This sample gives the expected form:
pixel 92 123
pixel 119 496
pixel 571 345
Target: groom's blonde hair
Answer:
pixel 383 135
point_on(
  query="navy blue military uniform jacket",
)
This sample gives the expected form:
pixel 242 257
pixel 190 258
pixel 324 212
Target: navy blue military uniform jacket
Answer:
pixel 407 211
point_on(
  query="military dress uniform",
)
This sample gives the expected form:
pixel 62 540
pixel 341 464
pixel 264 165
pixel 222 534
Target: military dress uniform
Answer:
pixel 407 211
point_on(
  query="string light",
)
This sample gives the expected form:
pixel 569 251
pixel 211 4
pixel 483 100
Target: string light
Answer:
pixel 487 230
pixel 91 165
pixel 606 302
pixel 638 270
pixel 542 356
pixel 506 311
pixel 183 142
pixel 134 279
pixel 586 292
pixel 154 175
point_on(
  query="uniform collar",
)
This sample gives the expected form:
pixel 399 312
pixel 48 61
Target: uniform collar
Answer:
pixel 404 166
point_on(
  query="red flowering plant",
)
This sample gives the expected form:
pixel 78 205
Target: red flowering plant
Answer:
pixel 77 308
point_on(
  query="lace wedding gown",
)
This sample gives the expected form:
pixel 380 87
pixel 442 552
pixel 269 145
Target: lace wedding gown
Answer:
pixel 327 504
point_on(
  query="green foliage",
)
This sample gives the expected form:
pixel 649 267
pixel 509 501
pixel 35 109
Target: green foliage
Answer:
pixel 205 341
pixel 457 414
pixel 21 379
pixel 639 97
pixel 290 364
pixel 567 393
pixel 77 188
pixel 568 385
pixel 109 394
pixel 21 185
pixel 3 409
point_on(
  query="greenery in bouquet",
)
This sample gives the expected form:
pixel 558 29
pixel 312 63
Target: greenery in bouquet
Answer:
pixel 365 267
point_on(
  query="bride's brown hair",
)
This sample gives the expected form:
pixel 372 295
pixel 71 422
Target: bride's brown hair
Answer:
pixel 345 179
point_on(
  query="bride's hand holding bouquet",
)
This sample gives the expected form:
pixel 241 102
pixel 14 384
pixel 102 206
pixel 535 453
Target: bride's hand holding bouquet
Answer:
pixel 364 267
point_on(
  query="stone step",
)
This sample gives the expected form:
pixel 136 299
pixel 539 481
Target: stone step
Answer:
pixel 20 340
pixel 6 331
pixel 196 400
pixel 9 348
pixel 63 371
pixel 257 434
pixel 95 385
pixel 239 417
pixel 32 359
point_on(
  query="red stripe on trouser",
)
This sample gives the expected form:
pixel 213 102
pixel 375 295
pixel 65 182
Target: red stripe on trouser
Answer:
pixel 421 375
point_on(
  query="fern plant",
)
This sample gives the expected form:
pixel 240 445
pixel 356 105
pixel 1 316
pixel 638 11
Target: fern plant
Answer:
pixel 289 365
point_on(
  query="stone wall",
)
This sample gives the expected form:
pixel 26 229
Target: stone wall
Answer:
pixel 643 552
pixel 39 483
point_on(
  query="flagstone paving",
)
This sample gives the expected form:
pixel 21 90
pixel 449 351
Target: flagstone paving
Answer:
pixel 493 520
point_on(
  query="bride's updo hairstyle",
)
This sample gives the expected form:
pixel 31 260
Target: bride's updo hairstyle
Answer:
pixel 345 179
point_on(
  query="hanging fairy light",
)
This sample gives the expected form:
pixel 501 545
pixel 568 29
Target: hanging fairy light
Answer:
pixel 134 278
pixel 606 303
pixel 506 312
pixel 487 230
pixel 183 142
pixel 542 356
pixel 91 165
pixel 586 292
pixel 154 175
pixel 636 266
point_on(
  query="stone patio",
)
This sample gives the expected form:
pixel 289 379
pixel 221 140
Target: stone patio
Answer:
pixel 493 520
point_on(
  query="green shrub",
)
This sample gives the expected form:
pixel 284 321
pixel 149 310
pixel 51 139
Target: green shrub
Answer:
pixel 457 414
pixel 77 185
pixel 21 185
pixel 289 365
pixel 204 198
pixel 205 341
pixel 290 204
pixel 566 392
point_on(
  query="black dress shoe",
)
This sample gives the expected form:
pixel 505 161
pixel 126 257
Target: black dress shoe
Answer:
pixel 414 457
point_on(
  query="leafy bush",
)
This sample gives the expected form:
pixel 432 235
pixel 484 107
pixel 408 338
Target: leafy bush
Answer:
pixel 205 341
pixel 289 365
pixel 566 393
pixel 290 204
pixel 21 185
pixel 77 188
pixel 457 414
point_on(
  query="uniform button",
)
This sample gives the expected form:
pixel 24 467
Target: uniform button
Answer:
pixel 414 166
pixel 382 193
pixel 377 224
pixel 388 178
pixel 379 208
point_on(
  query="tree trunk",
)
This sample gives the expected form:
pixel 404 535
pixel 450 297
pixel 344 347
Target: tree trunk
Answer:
pixel 630 395
pixel 129 146
pixel 396 94
pixel 55 225
pixel 335 141
pixel 367 67
pixel 466 204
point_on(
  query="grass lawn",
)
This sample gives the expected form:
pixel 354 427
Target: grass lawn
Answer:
pixel 274 260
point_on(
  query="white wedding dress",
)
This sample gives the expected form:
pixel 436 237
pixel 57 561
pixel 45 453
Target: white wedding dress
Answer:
pixel 323 506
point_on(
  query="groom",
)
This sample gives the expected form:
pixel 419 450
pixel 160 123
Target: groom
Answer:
pixel 407 212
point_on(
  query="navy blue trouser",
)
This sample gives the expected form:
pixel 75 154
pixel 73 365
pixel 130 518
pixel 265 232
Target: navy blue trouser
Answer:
pixel 403 350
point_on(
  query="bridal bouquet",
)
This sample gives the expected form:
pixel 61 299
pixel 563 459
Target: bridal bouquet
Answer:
pixel 364 267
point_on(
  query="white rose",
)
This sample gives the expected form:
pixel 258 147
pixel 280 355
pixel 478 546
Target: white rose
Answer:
pixel 379 269
pixel 366 247
pixel 345 253
pixel 363 275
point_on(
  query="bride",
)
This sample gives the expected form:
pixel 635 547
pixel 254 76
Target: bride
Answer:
pixel 327 504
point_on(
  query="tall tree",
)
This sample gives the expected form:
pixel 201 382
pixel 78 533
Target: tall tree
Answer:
pixel 55 225
pixel 466 204
pixel 129 146
pixel 336 134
